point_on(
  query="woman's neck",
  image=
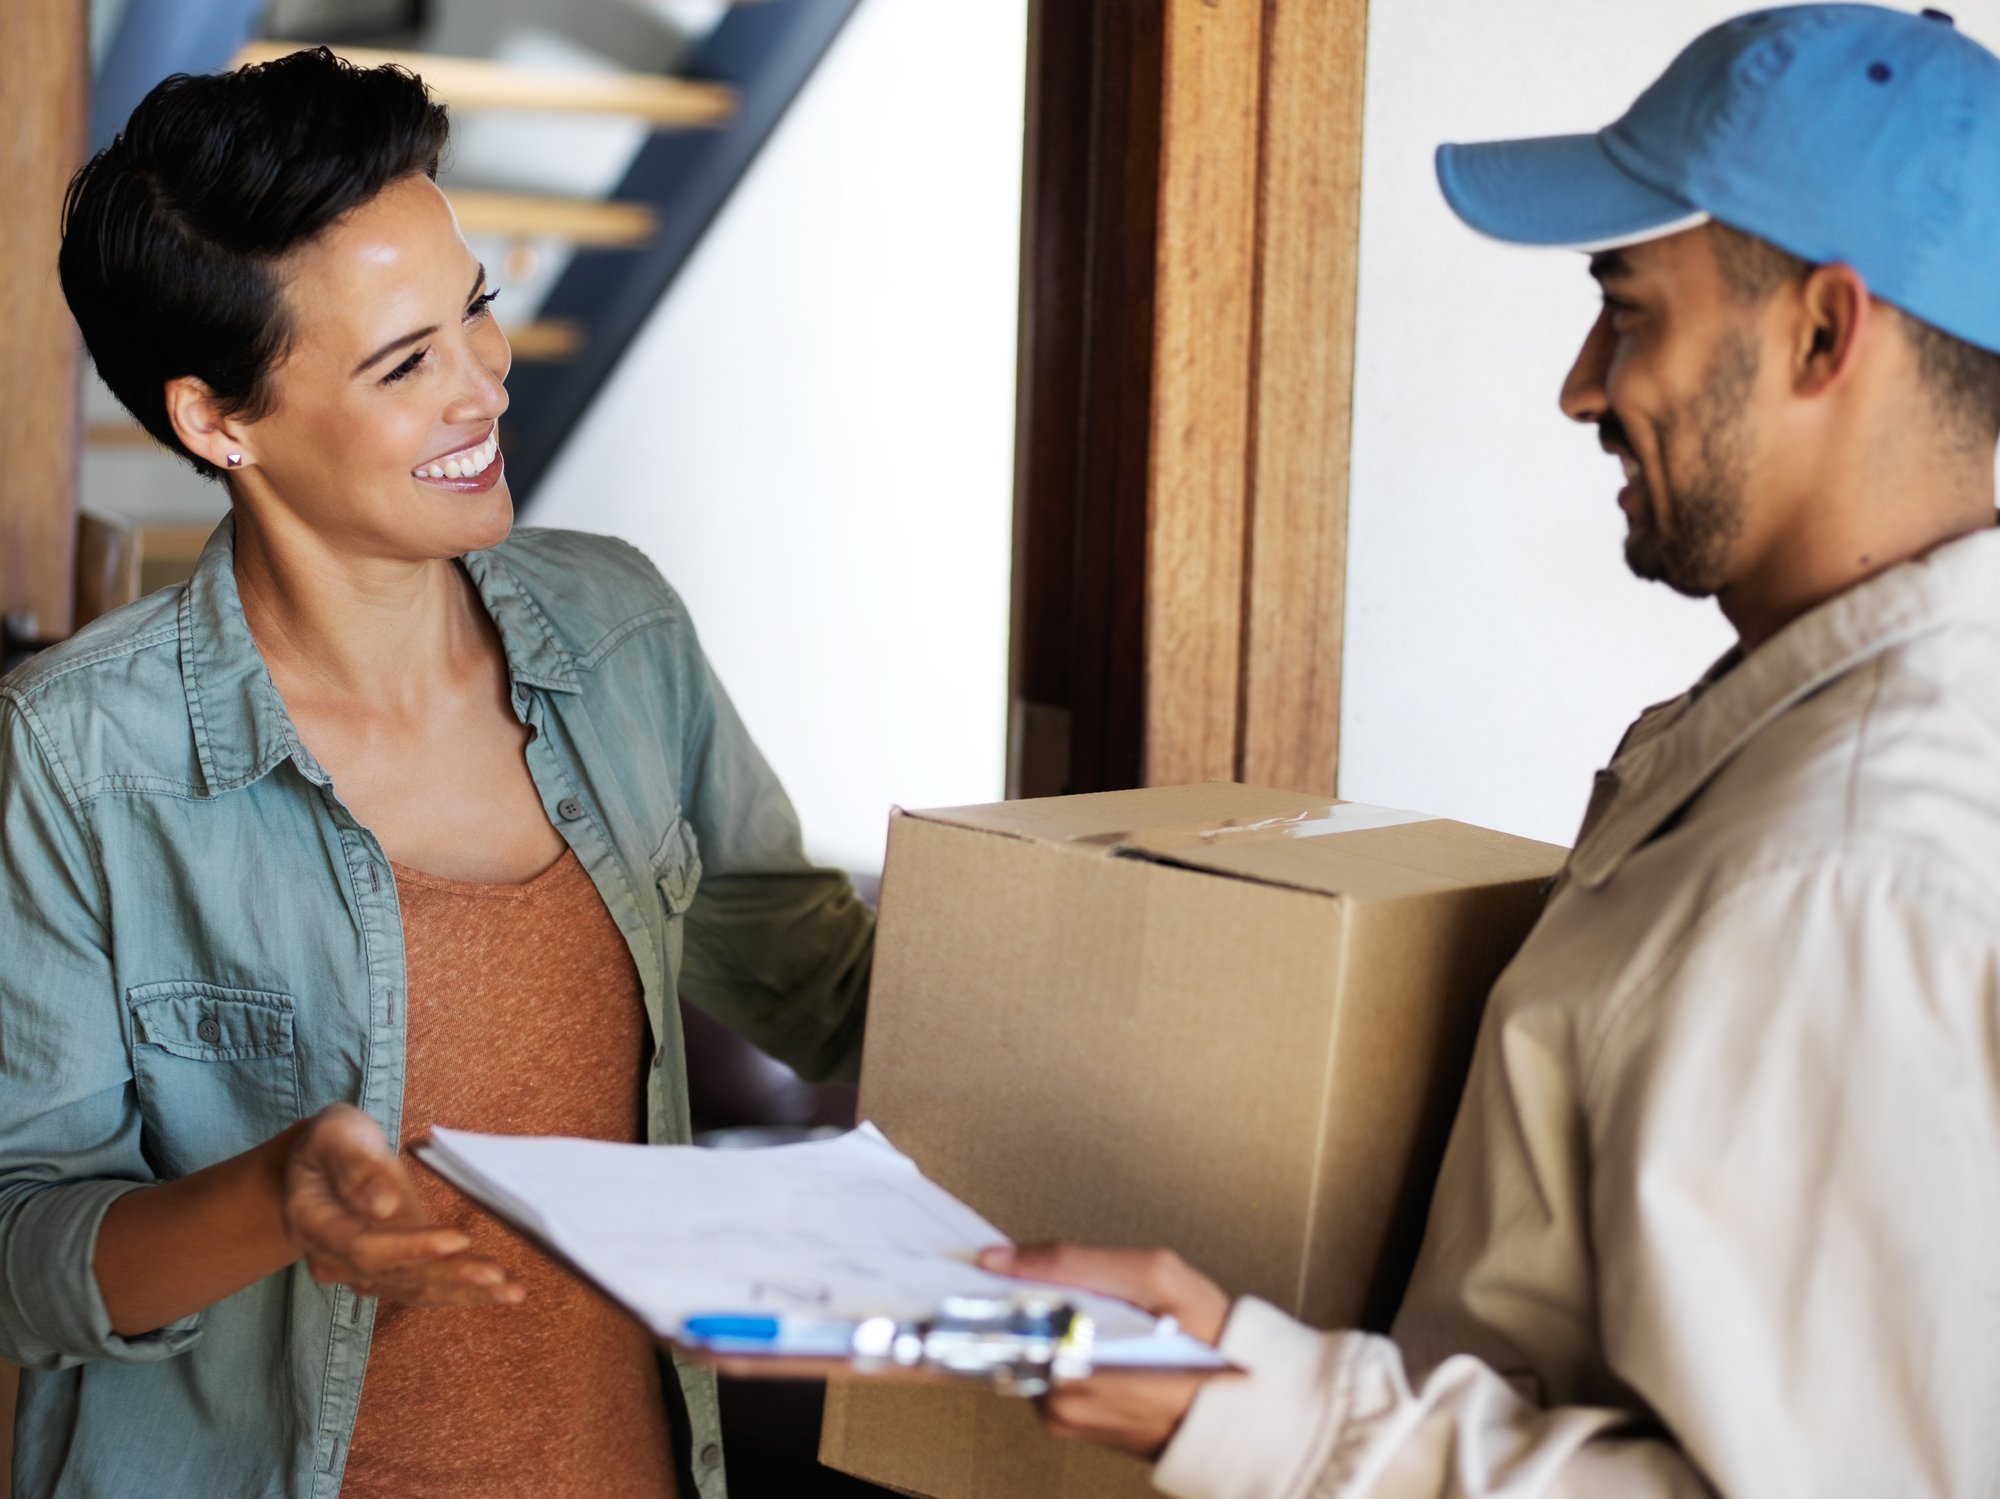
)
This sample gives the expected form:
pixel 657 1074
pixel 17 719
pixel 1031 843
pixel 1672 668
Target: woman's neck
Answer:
pixel 335 626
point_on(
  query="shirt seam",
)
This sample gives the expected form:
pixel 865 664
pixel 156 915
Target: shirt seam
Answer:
pixel 37 682
pixel 46 747
pixel 125 781
pixel 618 634
pixel 1858 756
pixel 1622 1006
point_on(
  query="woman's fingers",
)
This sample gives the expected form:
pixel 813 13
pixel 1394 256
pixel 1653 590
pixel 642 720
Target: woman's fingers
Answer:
pixel 347 1147
pixel 352 1208
pixel 1156 1280
pixel 376 1252
pixel 462 1280
pixel 321 1220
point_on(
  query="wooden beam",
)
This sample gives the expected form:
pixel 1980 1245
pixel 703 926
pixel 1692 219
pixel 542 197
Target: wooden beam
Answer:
pixel 552 341
pixel 1189 274
pixel 118 435
pixel 476 83
pixel 588 222
pixel 44 71
pixel 1309 245
pixel 1204 309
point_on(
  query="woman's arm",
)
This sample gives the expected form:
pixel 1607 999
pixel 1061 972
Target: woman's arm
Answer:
pixel 328 1188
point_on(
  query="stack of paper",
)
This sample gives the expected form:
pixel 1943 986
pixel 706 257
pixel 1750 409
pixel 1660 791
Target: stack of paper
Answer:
pixel 842 1229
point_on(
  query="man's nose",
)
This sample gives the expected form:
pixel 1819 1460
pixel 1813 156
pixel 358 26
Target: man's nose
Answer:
pixel 1583 398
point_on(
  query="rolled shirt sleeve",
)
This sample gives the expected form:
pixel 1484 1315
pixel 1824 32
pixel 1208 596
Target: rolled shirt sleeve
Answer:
pixel 777 947
pixel 1793 1130
pixel 69 1122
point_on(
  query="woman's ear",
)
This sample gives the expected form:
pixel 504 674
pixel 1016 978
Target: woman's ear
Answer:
pixel 201 426
pixel 1835 311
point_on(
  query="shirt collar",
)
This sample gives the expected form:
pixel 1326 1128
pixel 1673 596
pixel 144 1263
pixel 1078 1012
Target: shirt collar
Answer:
pixel 1674 752
pixel 241 728
pixel 535 653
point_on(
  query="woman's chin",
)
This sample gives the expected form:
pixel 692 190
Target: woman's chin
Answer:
pixel 471 522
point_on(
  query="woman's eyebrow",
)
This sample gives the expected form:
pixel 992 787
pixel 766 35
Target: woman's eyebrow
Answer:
pixel 407 339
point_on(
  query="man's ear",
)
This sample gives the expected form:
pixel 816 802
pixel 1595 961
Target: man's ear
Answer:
pixel 202 427
pixel 1834 315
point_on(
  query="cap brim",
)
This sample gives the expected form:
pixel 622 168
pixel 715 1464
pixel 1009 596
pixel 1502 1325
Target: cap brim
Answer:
pixel 1561 191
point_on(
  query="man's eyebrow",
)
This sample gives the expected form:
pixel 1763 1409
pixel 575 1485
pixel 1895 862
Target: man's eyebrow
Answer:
pixel 407 339
pixel 1607 265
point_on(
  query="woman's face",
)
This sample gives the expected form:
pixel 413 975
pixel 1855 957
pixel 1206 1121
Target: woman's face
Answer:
pixel 382 439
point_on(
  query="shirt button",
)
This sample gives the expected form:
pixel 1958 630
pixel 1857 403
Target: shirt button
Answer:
pixel 210 1029
pixel 569 809
pixel 711 1456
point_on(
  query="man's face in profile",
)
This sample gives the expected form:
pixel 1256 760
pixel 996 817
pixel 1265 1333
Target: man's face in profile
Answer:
pixel 1668 375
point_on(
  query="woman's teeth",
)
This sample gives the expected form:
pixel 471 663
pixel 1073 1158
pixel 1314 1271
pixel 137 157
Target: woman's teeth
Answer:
pixel 464 465
pixel 1631 467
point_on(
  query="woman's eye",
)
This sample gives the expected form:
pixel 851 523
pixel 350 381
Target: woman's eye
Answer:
pixel 407 367
pixel 480 304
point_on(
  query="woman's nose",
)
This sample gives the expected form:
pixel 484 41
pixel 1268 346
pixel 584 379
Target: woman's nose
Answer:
pixel 481 378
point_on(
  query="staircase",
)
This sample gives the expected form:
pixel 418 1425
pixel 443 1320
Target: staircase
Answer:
pixel 593 145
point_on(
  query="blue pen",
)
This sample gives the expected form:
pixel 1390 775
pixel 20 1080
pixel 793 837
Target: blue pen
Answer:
pixel 759 1332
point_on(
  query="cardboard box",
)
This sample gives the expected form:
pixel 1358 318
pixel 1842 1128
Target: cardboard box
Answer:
pixel 1230 1020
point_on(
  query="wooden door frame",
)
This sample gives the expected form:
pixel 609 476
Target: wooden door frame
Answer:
pixel 1190 261
pixel 44 87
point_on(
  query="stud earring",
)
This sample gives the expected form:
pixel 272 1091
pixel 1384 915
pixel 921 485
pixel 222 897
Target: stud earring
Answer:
pixel 236 460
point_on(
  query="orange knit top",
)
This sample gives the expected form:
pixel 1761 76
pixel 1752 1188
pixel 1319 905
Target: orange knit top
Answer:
pixel 525 1017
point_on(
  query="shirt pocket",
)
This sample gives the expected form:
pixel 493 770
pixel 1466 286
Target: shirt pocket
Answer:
pixel 677 867
pixel 215 1070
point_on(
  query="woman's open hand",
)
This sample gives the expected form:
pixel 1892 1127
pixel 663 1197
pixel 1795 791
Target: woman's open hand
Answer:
pixel 1136 1413
pixel 352 1209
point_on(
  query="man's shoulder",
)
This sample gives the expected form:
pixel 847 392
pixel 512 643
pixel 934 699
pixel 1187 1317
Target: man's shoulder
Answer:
pixel 1894 765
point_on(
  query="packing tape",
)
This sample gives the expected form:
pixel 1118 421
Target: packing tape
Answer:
pixel 1314 822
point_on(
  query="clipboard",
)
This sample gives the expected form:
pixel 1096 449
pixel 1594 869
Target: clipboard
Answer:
pixel 1021 1344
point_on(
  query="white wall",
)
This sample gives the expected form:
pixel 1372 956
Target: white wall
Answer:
pixel 1496 646
pixel 813 436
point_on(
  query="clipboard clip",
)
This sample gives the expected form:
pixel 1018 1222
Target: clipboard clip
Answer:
pixel 1020 1344
pixel 1017 1344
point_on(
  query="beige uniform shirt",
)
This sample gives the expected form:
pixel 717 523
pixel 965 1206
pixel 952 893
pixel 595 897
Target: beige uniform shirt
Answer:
pixel 1721 1212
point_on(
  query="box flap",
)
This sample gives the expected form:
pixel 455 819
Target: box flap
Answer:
pixel 1065 819
pixel 1286 838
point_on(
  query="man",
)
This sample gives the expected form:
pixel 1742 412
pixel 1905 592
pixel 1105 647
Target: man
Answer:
pixel 1721 1213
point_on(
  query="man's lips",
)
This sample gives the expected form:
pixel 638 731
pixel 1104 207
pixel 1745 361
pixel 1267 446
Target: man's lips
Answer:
pixel 1629 463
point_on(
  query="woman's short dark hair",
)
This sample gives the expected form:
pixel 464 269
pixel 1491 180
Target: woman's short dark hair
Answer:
pixel 171 231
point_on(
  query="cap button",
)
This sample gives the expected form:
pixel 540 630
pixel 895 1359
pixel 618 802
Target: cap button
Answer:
pixel 1938 15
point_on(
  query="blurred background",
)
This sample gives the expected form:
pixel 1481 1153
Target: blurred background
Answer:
pixel 764 329
pixel 1026 395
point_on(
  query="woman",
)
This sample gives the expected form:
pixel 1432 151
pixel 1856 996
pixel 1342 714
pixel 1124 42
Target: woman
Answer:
pixel 387 817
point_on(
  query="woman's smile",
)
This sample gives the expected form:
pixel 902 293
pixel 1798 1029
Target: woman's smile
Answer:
pixel 468 470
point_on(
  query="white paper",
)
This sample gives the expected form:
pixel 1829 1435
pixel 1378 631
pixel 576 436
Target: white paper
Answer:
pixel 847 1228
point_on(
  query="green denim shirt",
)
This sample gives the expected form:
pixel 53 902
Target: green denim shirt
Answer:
pixel 199 945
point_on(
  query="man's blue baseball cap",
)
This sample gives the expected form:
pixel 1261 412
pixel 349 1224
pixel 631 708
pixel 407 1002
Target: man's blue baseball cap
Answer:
pixel 1849 133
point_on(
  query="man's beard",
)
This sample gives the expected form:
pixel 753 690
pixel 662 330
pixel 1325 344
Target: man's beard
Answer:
pixel 1705 457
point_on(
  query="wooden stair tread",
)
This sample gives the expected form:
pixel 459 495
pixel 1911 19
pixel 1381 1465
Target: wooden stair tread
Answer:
pixel 477 83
